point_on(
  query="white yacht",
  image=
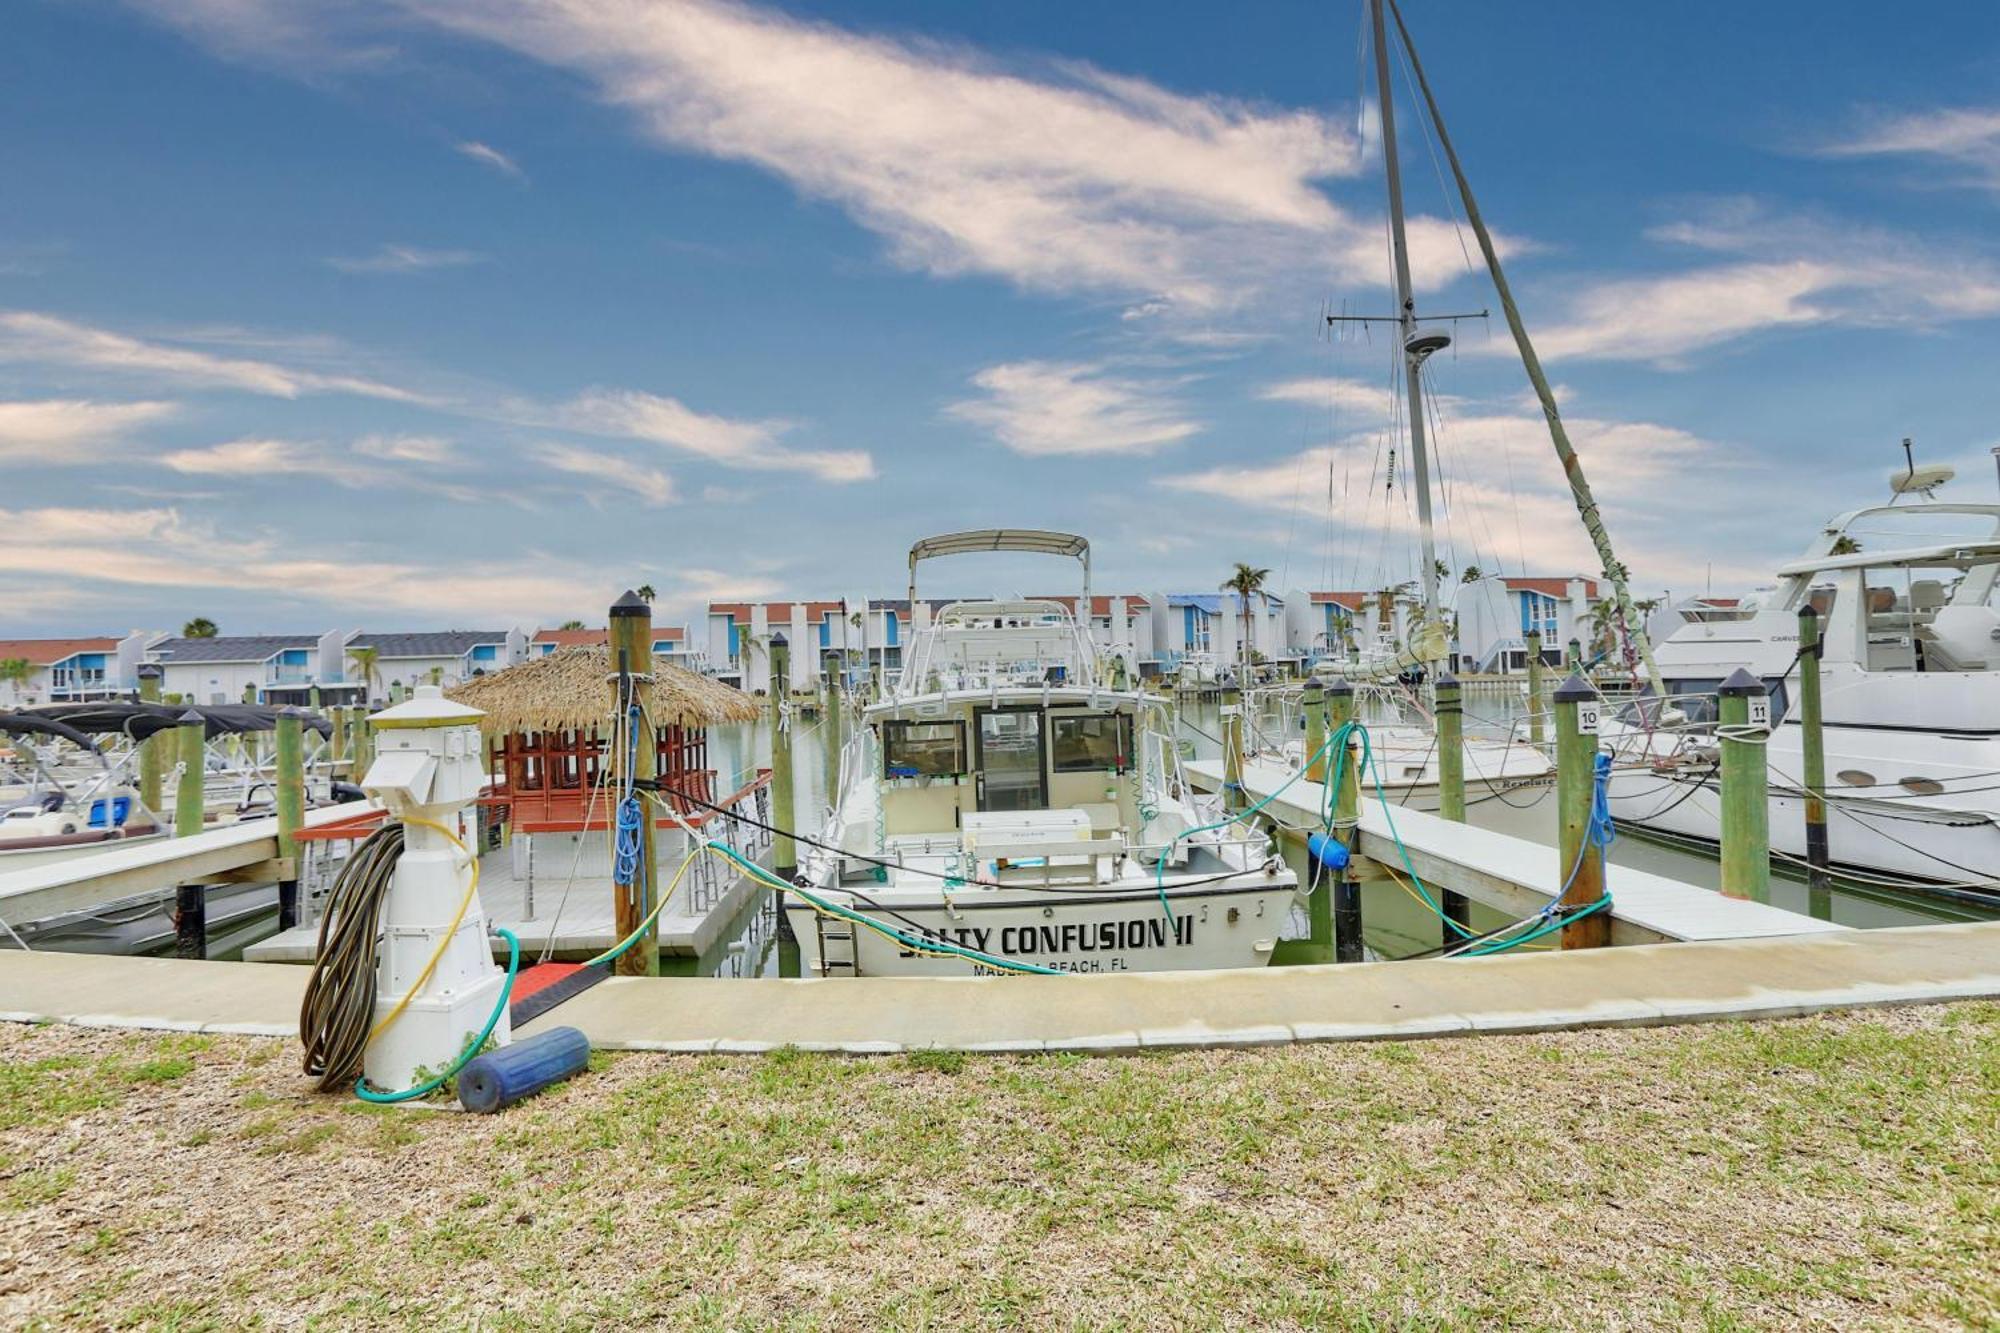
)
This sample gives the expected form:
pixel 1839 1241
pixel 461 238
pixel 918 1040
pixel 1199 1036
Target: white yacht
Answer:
pixel 1004 809
pixel 1910 682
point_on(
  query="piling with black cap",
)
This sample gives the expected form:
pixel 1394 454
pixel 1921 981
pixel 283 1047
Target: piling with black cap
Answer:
pixel 631 639
pixel 190 900
pixel 291 811
pixel 1346 824
pixel 1744 714
pixel 1819 884
pixel 1580 859
pixel 1537 727
pixel 1232 745
pixel 152 750
pixel 1451 789
pixel 784 852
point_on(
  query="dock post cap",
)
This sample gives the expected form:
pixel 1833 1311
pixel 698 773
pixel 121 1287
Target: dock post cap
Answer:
pixel 192 718
pixel 779 640
pixel 1339 685
pixel 1740 684
pixel 1447 681
pixel 1808 611
pixel 151 671
pixel 1575 689
pixel 631 604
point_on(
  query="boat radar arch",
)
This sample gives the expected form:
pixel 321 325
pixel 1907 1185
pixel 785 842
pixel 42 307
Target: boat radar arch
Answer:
pixel 1034 541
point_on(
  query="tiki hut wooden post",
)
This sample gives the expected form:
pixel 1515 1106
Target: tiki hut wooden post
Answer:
pixel 632 665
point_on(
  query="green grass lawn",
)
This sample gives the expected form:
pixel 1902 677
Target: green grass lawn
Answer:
pixel 1832 1172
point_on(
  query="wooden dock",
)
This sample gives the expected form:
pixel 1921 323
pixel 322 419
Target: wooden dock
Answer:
pixel 1518 875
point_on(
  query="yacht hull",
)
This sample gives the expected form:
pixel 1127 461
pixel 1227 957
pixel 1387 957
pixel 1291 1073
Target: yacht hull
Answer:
pixel 1084 929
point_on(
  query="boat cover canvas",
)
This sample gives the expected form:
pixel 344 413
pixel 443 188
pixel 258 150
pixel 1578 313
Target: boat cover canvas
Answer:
pixel 140 720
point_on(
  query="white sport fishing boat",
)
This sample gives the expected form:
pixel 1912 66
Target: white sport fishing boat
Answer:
pixel 1003 810
pixel 1910 684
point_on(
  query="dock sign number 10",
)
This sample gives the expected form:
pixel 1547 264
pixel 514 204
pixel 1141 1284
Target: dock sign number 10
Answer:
pixel 1586 717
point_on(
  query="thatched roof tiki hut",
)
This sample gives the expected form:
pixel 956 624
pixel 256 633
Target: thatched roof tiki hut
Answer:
pixel 549 719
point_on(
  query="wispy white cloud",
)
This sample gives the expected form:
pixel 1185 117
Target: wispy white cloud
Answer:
pixel 1055 175
pixel 1966 139
pixel 754 445
pixel 48 340
pixel 649 485
pixel 430 450
pixel 1073 178
pixel 59 432
pixel 1333 393
pixel 1503 499
pixel 373 462
pixel 249 458
pixel 91 549
pixel 1782 270
pixel 405 259
pixel 1045 408
pixel 488 155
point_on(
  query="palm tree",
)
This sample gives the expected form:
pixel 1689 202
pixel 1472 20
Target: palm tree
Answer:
pixel 365 659
pixel 646 593
pixel 15 671
pixel 1246 582
pixel 201 627
pixel 570 624
pixel 1472 574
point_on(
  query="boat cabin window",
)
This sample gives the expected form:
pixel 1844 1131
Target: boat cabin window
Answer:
pixel 1932 617
pixel 1700 700
pixel 1084 742
pixel 923 749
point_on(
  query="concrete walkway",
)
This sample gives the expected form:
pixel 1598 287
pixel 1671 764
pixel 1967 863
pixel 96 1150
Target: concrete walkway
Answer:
pixel 1671 983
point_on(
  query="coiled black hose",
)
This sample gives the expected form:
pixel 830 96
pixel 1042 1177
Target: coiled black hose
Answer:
pixel 339 1005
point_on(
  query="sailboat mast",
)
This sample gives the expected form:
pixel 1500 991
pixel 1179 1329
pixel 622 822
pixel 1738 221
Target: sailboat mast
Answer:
pixel 1586 503
pixel 1406 317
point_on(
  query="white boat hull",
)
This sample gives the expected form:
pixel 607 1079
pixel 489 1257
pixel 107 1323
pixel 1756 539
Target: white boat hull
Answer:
pixel 1232 924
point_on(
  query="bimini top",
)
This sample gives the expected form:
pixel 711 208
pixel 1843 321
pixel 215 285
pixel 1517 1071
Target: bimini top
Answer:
pixel 1033 541
pixel 140 720
pixel 25 724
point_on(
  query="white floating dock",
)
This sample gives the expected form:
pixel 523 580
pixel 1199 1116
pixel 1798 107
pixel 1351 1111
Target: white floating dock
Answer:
pixel 1519 875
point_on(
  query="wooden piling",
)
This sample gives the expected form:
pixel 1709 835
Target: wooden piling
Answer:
pixel 1232 746
pixel 631 637
pixel 190 900
pixel 1582 862
pixel 833 728
pixel 1347 825
pixel 1744 714
pixel 784 852
pixel 1819 883
pixel 291 804
pixel 152 750
pixel 1313 700
pixel 1538 734
pixel 1451 791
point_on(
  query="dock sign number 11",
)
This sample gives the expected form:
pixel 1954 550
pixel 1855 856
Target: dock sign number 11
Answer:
pixel 1586 717
pixel 1760 711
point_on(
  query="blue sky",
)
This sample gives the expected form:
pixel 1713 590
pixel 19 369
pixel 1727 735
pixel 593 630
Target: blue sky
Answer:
pixel 475 312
